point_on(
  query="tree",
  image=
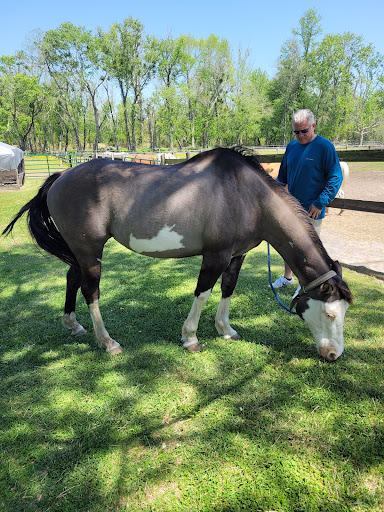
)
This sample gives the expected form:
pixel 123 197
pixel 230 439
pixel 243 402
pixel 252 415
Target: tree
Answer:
pixel 211 83
pixel 21 100
pixel 368 95
pixel 71 55
pixel 248 103
pixel 289 88
pixel 130 58
pixel 170 70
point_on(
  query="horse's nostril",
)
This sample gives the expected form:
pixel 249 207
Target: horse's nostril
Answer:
pixel 331 356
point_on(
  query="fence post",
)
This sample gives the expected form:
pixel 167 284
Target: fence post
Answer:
pixel 49 172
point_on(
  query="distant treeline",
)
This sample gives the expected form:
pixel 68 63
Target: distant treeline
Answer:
pixel 73 88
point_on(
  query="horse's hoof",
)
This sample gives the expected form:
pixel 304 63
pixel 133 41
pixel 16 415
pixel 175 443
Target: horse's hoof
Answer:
pixel 195 348
pixel 236 337
pixel 79 332
pixel 116 348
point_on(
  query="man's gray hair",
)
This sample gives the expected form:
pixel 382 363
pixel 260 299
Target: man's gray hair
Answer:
pixel 303 115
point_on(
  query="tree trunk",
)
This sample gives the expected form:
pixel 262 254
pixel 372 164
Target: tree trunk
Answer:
pixel 205 138
pixel 141 121
pixel 152 131
pixel 126 121
pixel 97 122
pixel 133 123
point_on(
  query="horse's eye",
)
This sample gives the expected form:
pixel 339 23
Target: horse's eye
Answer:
pixel 331 316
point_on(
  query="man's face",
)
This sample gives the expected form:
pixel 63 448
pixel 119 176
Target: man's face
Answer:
pixel 304 138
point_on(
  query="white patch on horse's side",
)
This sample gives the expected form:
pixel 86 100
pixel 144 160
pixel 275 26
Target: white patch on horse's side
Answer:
pixel 291 244
pixel 165 240
pixel 326 322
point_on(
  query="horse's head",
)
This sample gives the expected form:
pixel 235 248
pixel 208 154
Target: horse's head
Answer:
pixel 323 309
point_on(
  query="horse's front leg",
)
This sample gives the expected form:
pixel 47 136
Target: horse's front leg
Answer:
pixel 228 285
pixel 90 289
pixel 212 267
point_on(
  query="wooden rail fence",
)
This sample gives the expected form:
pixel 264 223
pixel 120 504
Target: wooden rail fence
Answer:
pixel 37 166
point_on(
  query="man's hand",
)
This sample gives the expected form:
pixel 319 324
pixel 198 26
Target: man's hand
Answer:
pixel 313 212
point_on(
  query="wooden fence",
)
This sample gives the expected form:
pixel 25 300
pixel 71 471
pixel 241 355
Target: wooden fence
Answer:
pixel 38 166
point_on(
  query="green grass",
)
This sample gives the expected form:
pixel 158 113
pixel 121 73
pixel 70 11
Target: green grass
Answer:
pixel 259 424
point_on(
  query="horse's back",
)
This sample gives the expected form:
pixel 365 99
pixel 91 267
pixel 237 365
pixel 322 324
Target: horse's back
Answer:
pixel 164 211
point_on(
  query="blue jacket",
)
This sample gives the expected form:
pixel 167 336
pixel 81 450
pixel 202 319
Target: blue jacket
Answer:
pixel 312 172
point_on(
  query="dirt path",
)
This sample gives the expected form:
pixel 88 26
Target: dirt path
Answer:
pixel 362 226
pixel 357 238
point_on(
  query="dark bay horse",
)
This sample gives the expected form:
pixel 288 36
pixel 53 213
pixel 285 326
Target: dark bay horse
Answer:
pixel 219 204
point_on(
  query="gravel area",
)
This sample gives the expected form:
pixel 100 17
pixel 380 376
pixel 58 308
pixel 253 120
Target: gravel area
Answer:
pixel 355 238
pixel 361 226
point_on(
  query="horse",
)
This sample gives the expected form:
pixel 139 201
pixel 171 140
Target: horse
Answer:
pixel 341 192
pixel 219 204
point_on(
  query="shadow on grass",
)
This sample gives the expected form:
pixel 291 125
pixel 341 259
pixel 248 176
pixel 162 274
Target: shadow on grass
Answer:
pixel 83 431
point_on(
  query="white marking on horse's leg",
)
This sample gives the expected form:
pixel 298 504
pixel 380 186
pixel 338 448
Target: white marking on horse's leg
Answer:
pixel 222 320
pixel 101 333
pixel 69 321
pixel 190 325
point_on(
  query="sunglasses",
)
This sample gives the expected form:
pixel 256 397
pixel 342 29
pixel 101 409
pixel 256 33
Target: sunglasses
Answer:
pixel 300 131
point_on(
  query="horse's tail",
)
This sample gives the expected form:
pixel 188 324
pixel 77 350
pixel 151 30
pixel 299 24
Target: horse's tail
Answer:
pixel 41 225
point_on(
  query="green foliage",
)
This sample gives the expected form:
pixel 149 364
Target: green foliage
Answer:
pixel 21 102
pixel 130 89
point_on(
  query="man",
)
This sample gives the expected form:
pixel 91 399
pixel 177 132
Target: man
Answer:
pixel 311 169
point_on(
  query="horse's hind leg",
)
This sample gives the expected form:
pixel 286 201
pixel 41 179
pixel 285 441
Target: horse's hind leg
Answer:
pixel 228 284
pixel 90 289
pixel 69 318
pixel 212 267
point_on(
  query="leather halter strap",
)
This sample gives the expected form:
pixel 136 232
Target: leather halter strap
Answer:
pixel 310 286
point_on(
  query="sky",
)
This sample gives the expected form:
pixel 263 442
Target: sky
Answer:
pixel 263 27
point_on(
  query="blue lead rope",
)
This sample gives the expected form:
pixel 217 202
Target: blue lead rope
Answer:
pixel 272 288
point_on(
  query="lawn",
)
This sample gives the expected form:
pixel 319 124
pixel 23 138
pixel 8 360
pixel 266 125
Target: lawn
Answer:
pixel 261 424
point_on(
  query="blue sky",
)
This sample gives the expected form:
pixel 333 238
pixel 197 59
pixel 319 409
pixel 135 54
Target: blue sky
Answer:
pixel 261 26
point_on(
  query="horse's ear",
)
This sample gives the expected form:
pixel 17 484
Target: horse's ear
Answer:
pixel 326 288
pixel 337 268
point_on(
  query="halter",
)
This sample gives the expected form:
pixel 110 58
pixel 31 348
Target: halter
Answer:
pixel 310 286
